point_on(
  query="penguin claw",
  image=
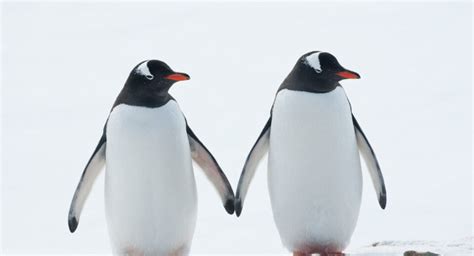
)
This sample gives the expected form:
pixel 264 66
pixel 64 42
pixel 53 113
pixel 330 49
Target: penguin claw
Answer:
pixel 72 223
pixel 229 206
pixel 238 206
pixel 382 200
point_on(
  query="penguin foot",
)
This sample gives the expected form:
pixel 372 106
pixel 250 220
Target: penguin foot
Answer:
pixel 332 254
pixel 297 253
pixel 301 254
pixel 132 251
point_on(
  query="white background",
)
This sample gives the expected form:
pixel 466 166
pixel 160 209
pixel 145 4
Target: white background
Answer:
pixel 64 64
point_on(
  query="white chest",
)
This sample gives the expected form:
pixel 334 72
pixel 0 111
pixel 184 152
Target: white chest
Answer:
pixel 150 190
pixel 309 126
pixel 314 168
pixel 138 133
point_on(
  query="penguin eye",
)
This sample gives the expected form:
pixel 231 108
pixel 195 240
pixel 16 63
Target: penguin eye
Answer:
pixel 149 77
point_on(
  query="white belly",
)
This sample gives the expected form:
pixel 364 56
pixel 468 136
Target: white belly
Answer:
pixel 150 191
pixel 314 173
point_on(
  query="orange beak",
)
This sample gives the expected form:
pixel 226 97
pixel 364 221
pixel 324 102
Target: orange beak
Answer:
pixel 178 77
pixel 348 74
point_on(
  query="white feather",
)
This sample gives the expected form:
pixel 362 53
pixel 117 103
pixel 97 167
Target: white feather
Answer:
pixel 210 168
pixel 87 181
pixel 254 158
pixel 314 173
pixel 313 61
pixel 150 190
pixel 372 165
pixel 143 69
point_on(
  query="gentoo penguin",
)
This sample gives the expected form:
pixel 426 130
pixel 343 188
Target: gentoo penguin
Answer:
pixel 314 172
pixel 147 147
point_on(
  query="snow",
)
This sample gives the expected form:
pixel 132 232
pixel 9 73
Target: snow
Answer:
pixel 63 64
pixel 461 247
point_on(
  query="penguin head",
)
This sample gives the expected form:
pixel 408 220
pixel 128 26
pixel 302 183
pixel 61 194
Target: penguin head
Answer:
pixel 321 71
pixel 155 75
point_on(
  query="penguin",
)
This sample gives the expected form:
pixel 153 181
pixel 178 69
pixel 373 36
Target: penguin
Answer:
pixel 313 141
pixel 147 147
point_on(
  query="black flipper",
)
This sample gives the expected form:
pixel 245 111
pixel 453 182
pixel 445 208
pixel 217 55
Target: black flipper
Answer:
pixel 259 149
pixel 90 173
pixel 211 168
pixel 372 164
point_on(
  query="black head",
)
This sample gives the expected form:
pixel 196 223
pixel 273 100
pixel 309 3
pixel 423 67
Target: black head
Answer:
pixel 317 72
pixel 148 84
pixel 155 74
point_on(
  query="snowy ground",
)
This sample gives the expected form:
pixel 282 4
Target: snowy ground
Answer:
pixel 459 247
pixel 63 65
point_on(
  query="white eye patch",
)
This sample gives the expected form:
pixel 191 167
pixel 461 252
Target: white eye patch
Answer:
pixel 313 61
pixel 144 70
